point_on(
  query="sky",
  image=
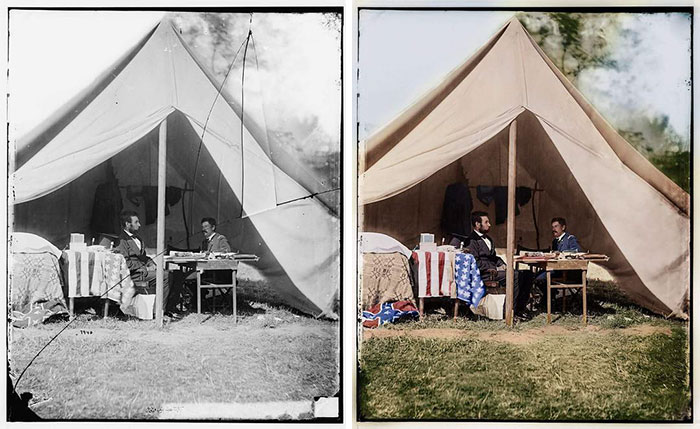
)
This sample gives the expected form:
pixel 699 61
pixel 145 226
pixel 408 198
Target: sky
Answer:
pixel 403 54
pixel 71 48
pixel 68 50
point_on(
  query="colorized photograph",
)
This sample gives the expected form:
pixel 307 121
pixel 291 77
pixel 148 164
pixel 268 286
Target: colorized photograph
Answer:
pixel 524 230
pixel 174 215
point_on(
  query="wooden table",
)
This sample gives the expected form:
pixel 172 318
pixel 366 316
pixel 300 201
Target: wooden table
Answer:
pixel 201 265
pixel 552 264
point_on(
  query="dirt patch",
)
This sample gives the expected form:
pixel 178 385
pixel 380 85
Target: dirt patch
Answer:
pixel 513 337
pixel 524 337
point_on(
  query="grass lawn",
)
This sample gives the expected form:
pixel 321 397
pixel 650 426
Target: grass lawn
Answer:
pixel 627 364
pixel 127 369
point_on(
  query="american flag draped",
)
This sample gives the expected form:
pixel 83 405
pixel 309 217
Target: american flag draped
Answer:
pixel 435 273
pixel 470 288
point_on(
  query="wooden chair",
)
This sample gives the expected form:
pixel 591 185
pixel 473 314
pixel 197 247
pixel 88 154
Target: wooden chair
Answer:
pixel 574 281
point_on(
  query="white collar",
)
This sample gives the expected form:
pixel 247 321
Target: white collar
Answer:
pixel 480 234
pixel 129 234
pixel 561 236
pixel 211 236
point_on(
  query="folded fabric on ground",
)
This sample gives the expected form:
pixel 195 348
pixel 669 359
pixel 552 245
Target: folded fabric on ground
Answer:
pixel 491 306
pixel 35 288
pixel 470 288
pixel 385 278
pixel 389 312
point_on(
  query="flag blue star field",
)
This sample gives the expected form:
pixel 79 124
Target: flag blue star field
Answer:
pixel 388 312
pixel 470 288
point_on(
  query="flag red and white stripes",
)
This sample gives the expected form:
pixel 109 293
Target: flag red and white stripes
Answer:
pixel 435 273
pixel 101 274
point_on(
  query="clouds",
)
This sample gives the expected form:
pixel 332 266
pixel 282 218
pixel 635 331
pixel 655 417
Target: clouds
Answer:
pixel 405 53
pixel 653 79
pixel 302 79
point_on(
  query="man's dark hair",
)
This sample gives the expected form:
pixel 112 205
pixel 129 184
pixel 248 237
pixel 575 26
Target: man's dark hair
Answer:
pixel 476 217
pixel 211 220
pixel 561 220
pixel 126 215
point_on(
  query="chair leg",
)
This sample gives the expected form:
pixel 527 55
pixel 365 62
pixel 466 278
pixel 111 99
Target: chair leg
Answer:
pixel 199 292
pixel 234 282
pixel 421 303
pixel 106 308
pixel 549 297
pixel 456 310
pixel 563 301
pixel 585 316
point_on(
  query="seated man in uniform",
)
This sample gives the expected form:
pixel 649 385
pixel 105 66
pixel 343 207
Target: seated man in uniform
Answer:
pixel 213 241
pixel 562 242
pixel 482 247
pixel 143 268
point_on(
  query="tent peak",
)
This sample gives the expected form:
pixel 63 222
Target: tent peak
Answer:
pixel 514 24
pixel 165 24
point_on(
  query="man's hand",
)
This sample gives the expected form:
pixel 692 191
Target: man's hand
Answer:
pixel 501 268
pixel 143 272
pixel 150 265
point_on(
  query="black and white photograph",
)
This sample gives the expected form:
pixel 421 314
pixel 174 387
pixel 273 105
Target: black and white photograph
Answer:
pixel 174 214
pixel 524 214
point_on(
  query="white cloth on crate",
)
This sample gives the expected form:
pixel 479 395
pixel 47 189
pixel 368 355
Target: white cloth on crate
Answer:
pixel 374 242
pixel 23 242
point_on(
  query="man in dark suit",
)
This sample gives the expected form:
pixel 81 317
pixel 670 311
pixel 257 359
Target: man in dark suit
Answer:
pixel 482 247
pixel 143 268
pixel 213 241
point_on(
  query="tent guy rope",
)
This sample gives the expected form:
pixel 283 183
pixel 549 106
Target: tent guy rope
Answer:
pixel 245 53
pixel 206 121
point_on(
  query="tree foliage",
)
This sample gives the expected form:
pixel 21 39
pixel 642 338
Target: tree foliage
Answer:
pixel 667 153
pixel 579 41
pixel 219 37
pixel 574 41
pixel 218 40
pixel 675 165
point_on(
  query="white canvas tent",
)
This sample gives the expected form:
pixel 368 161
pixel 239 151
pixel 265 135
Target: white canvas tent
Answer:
pixel 614 200
pixel 114 122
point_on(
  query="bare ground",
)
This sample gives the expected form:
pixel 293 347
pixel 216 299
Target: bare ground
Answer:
pixel 515 337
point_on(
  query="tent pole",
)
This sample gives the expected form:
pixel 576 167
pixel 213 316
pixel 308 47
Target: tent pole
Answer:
pixel 160 243
pixel 510 236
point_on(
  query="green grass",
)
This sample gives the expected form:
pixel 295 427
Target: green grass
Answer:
pixel 604 372
pixel 586 377
pixel 125 368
